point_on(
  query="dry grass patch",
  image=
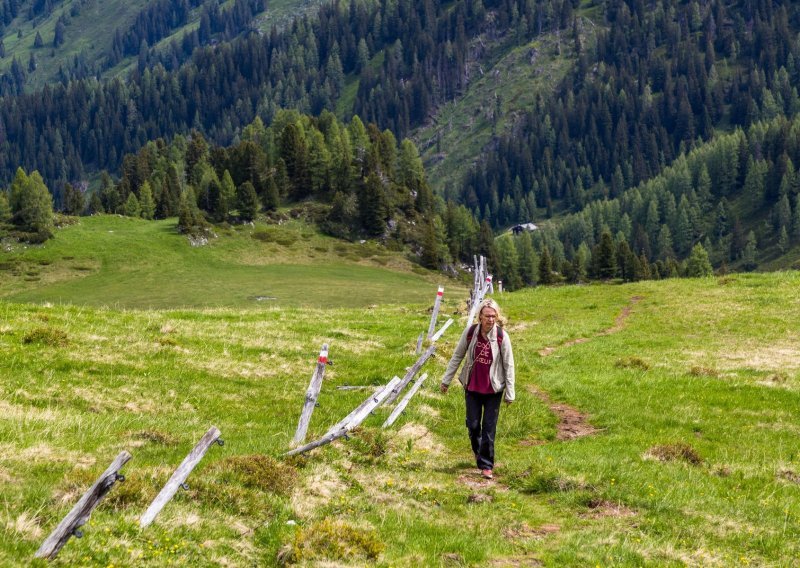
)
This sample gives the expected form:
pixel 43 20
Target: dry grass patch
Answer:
pixel 26 526
pixel 679 451
pixel 789 475
pixel 321 485
pixel 701 371
pixel 418 437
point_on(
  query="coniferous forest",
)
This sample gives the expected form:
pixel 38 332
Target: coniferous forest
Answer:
pixel 668 148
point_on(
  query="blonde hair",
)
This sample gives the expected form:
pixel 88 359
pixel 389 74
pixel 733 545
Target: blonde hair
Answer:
pixel 490 303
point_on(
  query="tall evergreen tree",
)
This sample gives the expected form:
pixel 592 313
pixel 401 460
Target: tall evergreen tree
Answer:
pixel 698 264
pixel 247 202
pixel 147 206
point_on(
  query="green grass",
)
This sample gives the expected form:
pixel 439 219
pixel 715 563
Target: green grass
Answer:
pixel 706 368
pixel 130 263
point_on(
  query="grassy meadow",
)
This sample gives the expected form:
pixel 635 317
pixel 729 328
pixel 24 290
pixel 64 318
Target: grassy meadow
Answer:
pixel 691 387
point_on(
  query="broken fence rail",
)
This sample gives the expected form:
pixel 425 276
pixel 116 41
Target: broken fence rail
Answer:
pixel 179 477
pixel 435 315
pixel 355 419
pixel 82 510
pixel 410 374
pixel 398 410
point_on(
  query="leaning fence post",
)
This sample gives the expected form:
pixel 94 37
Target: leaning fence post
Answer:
pixel 355 419
pixel 179 477
pixel 410 374
pixel 403 403
pixel 376 393
pixel 311 396
pixel 437 304
pixel 82 510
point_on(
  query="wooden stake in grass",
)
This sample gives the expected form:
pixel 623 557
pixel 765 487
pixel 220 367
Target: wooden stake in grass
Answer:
pixel 354 419
pixel 439 333
pixel 403 403
pixel 419 342
pixel 436 305
pixel 82 510
pixel 180 475
pixel 311 396
pixel 410 374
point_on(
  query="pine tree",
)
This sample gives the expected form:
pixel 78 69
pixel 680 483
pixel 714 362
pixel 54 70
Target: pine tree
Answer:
pixel 5 210
pixel 190 219
pixel 527 259
pixel 132 208
pixel 31 206
pixel 372 206
pixel 247 202
pixel 146 204
pixel 796 220
pixel 750 251
pixel 783 240
pixel 698 264
pixel 227 197
pixel 73 200
pixel 605 262
pixel 508 260
pixel 546 275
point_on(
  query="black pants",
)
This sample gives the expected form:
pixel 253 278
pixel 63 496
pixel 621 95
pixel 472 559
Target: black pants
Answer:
pixel 482 413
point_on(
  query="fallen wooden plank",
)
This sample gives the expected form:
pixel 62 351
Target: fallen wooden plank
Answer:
pixel 312 393
pixel 357 417
pixel 404 402
pixel 180 475
pixel 410 374
pixel 357 409
pixel 82 510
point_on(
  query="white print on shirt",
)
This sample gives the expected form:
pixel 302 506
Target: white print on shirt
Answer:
pixel 485 354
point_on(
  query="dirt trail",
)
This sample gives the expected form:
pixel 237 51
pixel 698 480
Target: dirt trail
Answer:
pixel 619 325
pixel 572 423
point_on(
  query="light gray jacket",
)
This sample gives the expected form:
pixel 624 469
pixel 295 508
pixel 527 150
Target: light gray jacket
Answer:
pixel 501 373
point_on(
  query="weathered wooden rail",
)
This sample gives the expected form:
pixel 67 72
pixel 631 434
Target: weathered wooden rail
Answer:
pixel 179 477
pixel 80 513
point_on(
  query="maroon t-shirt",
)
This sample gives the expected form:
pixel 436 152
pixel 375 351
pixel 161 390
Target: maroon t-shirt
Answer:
pixel 479 377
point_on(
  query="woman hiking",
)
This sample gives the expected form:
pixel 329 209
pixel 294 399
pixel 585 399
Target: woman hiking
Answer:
pixel 487 377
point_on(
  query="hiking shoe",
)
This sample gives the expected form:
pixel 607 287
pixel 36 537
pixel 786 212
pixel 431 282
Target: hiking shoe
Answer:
pixel 487 473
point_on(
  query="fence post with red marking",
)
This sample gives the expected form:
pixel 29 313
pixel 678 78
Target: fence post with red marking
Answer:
pixel 311 396
pixel 435 313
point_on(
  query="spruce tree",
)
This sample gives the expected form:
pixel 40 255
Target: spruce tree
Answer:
pixel 146 204
pixel 508 260
pixel 698 264
pixel 546 275
pixel 604 257
pixel 372 206
pixel 190 219
pixel 5 210
pixel 31 206
pixel 750 251
pixel 783 240
pixel 132 208
pixel 247 202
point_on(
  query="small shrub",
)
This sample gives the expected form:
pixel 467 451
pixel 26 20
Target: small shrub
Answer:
pixel 679 451
pixel 632 363
pixel 258 472
pixel 46 336
pixel 332 540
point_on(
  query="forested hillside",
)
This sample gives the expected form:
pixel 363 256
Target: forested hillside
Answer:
pixel 665 125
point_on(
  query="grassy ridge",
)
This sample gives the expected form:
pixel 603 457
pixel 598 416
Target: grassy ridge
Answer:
pixel 131 263
pixel 693 385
